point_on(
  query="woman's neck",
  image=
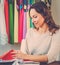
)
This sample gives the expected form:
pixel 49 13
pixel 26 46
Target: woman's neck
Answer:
pixel 43 29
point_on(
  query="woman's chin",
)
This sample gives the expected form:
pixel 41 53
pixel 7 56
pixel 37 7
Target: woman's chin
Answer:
pixel 37 28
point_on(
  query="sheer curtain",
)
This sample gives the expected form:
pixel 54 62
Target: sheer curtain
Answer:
pixel 3 34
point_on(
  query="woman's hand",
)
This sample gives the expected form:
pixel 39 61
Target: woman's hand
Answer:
pixel 0 57
pixel 17 54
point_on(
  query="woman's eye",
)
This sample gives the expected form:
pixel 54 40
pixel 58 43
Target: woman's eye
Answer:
pixel 35 16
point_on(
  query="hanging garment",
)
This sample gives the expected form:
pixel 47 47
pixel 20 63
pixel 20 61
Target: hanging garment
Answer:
pixel 25 2
pixel 15 22
pixel 28 18
pixel 3 34
pixel 24 26
pixel 31 24
pixel 20 26
pixel 11 21
pixel 6 12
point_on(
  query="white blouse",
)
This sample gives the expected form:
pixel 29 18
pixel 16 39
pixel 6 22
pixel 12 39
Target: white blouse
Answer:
pixel 37 44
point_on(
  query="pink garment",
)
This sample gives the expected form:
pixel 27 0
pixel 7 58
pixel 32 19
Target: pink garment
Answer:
pixel 20 25
pixel 6 12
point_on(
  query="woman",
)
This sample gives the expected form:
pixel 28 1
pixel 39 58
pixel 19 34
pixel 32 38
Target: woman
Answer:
pixel 42 43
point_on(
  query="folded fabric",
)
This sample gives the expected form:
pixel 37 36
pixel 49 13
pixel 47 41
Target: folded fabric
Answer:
pixel 8 56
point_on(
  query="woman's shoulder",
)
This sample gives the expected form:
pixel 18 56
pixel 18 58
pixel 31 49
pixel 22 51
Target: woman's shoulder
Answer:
pixel 57 34
pixel 30 30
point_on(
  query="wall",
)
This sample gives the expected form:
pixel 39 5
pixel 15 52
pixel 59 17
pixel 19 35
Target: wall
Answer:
pixel 56 10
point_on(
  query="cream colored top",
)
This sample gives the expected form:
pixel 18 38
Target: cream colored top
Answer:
pixel 40 44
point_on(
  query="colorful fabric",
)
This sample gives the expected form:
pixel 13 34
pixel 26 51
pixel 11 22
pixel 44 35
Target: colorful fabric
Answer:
pixel 25 2
pixel 17 18
pixel 20 24
pixel 15 22
pixel 11 21
pixel 31 24
pixel 6 13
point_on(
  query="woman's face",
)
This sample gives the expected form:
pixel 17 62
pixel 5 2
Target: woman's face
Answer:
pixel 37 18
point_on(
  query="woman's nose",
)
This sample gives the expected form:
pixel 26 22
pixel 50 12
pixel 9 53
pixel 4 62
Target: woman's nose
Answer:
pixel 33 20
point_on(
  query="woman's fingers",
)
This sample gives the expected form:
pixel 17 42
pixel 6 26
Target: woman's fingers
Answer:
pixel 16 54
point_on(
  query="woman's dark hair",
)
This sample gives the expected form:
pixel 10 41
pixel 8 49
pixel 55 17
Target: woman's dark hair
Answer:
pixel 42 8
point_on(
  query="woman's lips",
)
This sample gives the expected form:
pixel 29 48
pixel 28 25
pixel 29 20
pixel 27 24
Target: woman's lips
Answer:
pixel 35 22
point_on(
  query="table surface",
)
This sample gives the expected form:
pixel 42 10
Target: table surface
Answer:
pixel 27 63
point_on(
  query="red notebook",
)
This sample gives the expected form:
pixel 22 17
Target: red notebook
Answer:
pixel 7 56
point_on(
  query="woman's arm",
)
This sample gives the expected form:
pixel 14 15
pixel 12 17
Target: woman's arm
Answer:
pixel 36 58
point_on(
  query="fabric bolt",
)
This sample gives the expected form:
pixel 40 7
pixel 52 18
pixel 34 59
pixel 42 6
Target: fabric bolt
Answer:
pixel 25 3
pixel 31 24
pixel 6 13
pixel 24 26
pixel 11 21
pixel 15 22
pixel 20 25
pixel 28 18
pixel 25 18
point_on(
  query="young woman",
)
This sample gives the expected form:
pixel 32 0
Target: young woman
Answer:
pixel 42 43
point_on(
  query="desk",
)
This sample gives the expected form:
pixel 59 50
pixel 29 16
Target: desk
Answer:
pixel 29 63
pixel 6 63
pixel 19 63
pixel 53 63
